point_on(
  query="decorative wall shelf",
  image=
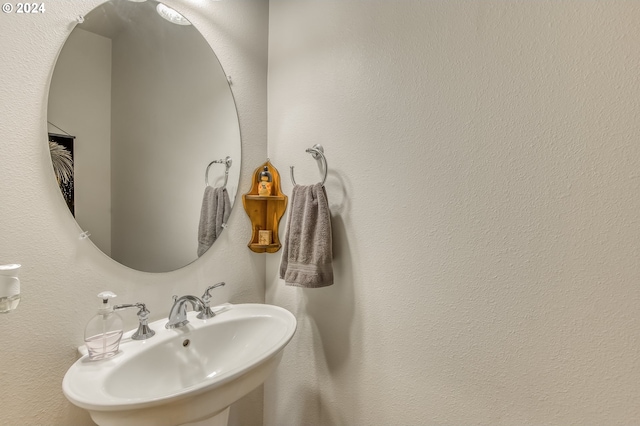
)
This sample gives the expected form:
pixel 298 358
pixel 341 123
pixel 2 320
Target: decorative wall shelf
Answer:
pixel 265 211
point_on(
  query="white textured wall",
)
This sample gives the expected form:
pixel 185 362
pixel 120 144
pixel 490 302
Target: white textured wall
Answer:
pixel 79 102
pixel 61 275
pixel 485 188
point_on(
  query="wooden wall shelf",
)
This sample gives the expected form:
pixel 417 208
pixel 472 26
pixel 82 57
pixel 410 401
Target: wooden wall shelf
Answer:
pixel 266 197
pixel 265 212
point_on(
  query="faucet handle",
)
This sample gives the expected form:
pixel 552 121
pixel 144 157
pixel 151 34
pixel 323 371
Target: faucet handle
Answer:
pixel 144 331
pixel 206 311
pixel 207 295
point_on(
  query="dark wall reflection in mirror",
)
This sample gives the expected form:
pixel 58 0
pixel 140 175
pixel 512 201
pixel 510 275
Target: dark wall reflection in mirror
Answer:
pixel 150 107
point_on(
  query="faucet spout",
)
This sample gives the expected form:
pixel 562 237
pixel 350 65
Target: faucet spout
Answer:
pixel 178 313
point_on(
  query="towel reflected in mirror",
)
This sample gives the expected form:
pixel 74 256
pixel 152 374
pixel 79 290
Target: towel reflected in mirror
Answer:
pixel 216 208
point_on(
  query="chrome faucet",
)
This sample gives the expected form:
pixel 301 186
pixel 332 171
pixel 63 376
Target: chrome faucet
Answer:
pixel 178 313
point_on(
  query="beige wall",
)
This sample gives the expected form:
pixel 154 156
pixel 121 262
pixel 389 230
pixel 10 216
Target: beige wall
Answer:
pixel 61 274
pixel 484 183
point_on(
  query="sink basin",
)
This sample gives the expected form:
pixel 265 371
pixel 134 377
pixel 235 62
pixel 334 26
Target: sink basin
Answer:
pixel 183 375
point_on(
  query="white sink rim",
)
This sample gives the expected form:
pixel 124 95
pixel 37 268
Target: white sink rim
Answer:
pixel 84 382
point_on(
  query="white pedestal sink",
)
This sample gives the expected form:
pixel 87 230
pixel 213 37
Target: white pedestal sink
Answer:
pixel 189 375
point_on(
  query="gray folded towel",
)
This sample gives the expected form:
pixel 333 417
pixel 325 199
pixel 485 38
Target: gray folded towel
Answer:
pixel 215 211
pixel 307 252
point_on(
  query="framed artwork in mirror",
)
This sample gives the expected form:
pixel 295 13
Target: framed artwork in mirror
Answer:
pixel 61 150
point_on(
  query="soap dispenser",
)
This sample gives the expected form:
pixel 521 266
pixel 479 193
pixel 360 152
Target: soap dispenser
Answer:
pixel 104 331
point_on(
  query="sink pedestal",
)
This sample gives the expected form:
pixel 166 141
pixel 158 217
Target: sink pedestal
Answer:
pixel 218 420
pixel 216 401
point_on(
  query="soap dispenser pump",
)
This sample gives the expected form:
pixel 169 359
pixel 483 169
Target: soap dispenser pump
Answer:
pixel 104 331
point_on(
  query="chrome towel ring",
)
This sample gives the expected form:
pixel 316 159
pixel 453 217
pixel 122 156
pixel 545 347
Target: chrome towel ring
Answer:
pixel 316 151
pixel 227 162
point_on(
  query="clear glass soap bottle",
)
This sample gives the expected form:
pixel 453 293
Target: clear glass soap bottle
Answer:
pixel 104 331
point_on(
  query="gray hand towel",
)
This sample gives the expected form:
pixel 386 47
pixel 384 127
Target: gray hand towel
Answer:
pixel 307 252
pixel 215 211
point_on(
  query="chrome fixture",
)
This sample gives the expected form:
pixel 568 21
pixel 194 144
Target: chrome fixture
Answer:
pixel 206 312
pixel 178 313
pixel 227 163
pixel 144 331
pixel 316 151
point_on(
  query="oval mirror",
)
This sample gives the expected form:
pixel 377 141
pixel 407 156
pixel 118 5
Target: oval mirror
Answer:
pixel 139 109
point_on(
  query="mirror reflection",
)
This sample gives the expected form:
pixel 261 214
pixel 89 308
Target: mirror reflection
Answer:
pixel 139 108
